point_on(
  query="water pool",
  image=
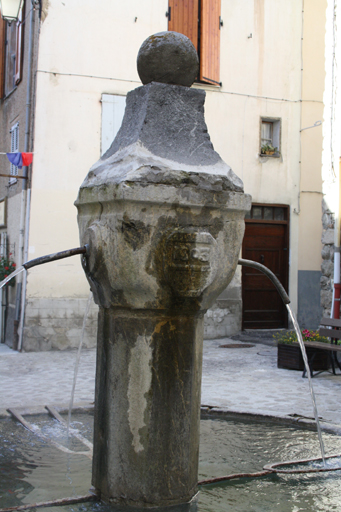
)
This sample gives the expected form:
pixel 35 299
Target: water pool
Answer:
pixel 31 470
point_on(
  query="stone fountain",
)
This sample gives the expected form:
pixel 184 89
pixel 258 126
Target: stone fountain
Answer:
pixel 163 217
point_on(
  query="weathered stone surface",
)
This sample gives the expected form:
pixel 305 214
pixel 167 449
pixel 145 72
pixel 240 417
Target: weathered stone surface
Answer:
pixel 327 268
pixel 168 57
pixel 122 276
pixel 327 216
pixel 325 283
pixel 56 324
pixel 164 219
pixel 326 299
pixel 223 319
pixel 145 146
pixel 328 236
pixel 161 198
pixel 326 252
pixel 155 375
pixel 327 221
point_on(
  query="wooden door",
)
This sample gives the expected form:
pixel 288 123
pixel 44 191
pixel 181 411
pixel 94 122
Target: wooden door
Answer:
pixel 265 241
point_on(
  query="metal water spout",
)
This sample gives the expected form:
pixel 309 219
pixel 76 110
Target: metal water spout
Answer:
pixel 163 217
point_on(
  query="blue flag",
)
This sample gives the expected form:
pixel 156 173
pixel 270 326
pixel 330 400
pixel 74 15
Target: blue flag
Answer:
pixel 15 159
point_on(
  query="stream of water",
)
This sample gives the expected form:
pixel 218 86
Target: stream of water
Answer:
pixel 306 364
pixel 11 276
pixel 87 309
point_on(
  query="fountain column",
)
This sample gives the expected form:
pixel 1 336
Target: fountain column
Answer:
pixel 164 219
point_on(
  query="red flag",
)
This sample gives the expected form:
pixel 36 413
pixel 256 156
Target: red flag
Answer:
pixel 27 159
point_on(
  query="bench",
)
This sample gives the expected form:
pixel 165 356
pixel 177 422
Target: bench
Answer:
pixel 331 328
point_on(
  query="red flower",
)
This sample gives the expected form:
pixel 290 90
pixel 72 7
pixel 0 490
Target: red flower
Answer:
pixel 14 265
pixel 6 275
pixel 6 268
pixel 10 254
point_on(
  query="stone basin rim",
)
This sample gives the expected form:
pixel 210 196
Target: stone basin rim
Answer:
pixel 207 412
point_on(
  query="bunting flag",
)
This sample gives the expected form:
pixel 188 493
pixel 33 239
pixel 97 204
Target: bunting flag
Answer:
pixel 20 159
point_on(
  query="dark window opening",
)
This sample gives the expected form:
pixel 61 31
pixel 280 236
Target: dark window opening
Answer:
pixel 268 213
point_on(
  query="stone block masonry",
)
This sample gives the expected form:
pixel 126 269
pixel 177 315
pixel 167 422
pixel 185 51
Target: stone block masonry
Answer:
pixel 327 266
pixel 56 324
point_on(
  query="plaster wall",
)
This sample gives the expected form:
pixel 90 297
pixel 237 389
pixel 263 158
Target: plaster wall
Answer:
pixel 261 77
pixel 313 84
pixel 331 156
pixel 68 119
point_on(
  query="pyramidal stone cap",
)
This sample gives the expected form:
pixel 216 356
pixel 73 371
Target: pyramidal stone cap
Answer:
pixel 169 58
pixel 163 138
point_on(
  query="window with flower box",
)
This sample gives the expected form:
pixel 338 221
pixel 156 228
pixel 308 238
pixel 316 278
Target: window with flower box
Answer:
pixel 270 137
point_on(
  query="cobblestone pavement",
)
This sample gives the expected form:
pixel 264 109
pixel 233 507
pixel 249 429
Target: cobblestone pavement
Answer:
pixel 36 379
pixel 247 380
pixel 242 380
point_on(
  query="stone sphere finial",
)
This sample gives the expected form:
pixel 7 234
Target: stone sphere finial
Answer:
pixel 169 58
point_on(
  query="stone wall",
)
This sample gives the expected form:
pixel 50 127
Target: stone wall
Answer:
pixel 225 316
pixel 56 324
pixel 327 266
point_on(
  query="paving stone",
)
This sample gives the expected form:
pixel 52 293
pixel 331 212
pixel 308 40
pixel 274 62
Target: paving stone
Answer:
pixel 242 380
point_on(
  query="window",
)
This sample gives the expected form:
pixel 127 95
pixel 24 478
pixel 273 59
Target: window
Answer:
pixel 11 51
pixel 113 107
pixel 267 131
pixel 200 21
pixel 267 213
pixel 14 147
pixel 270 137
pixel 18 48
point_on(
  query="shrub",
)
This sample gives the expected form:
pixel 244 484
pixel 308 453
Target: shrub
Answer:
pixel 289 337
pixel 7 266
pixel 268 148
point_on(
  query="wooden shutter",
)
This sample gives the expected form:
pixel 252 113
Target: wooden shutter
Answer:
pixel 2 55
pixel 113 108
pixel 19 45
pixel 210 41
pixel 183 17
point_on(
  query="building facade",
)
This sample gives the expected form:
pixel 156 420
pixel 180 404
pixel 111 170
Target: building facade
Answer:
pixel 268 69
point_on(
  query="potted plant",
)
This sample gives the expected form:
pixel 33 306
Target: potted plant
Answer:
pixel 289 354
pixel 268 149
pixel 7 266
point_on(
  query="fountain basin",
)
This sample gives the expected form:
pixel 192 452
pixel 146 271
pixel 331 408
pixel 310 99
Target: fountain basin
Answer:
pixel 32 470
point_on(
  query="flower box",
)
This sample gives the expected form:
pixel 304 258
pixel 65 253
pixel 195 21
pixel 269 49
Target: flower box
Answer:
pixel 290 357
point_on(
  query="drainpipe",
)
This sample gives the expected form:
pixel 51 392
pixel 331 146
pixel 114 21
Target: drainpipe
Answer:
pixel 25 195
pixel 335 313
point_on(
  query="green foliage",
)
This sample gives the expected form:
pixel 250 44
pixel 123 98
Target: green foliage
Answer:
pixel 268 148
pixel 7 266
pixel 290 337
